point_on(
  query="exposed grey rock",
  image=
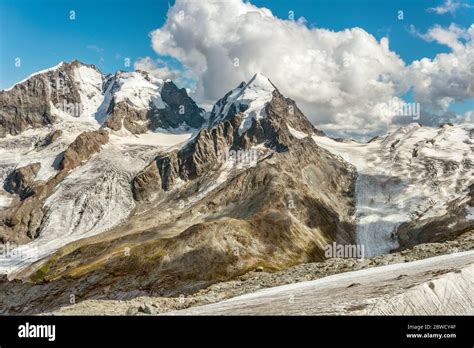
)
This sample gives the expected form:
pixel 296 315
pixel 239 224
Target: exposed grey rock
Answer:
pixel 204 152
pixel 136 121
pixel 146 183
pixel 20 180
pixel 180 109
pixel 24 221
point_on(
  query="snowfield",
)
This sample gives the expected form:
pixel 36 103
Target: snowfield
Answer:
pixel 138 91
pixel 90 90
pixel 433 286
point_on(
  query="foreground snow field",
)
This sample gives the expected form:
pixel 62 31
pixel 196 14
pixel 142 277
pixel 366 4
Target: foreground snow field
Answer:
pixel 438 285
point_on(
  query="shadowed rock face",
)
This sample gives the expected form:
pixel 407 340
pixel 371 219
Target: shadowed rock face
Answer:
pixel 146 183
pixel 179 110
pixel 122 114
pixel 22 222
pixel 20 181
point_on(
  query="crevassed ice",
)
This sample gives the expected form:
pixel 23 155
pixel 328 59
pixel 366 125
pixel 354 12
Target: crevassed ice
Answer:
pixel 394 184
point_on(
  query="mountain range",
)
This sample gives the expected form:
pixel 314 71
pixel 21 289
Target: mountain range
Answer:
pixel 117 186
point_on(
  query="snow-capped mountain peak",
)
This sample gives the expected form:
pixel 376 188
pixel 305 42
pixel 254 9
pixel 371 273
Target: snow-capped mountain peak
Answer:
pixel 260 82
pixel 35 74
pixel 90 87
pixel 75 91
pixel 138 89
pixel 249 98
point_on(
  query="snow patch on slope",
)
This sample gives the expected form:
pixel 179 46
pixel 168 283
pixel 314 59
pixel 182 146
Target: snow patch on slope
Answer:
pixel 90 200
pixel 296 133
pixel 89 82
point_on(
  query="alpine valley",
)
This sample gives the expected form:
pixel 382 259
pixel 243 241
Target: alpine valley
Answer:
pixel 119 194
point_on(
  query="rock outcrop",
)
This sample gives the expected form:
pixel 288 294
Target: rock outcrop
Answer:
pixel 179 109
pixel 81 149
pixel 124 115
pixel 147 183
pixel 21 180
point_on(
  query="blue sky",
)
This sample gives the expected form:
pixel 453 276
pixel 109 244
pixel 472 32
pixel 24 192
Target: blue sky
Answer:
pixel 105 32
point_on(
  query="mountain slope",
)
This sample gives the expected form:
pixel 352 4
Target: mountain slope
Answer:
pixel 138 195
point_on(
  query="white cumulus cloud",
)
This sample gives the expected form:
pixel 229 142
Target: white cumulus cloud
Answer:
pixel 338 78
pixel 449 77
pixel 156 68
pixel 449 6
pixel 343 80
